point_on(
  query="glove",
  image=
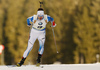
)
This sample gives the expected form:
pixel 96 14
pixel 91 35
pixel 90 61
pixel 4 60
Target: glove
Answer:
pixel 29 25
pixel 53 25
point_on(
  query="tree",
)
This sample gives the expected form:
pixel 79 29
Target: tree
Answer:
pixel 84 34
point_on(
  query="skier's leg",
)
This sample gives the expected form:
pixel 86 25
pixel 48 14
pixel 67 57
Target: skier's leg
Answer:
pixel 29 48
pixel 41 48
pixel 21 62
pixel 33 37
pixel 41 40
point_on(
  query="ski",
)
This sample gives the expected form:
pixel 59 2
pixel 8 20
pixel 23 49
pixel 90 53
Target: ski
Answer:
pixel 11 66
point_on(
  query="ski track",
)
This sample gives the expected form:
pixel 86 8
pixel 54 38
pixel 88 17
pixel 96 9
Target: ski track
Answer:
pixel 95 66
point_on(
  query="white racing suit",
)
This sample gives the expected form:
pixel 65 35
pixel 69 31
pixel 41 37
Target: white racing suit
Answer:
pixel 37 32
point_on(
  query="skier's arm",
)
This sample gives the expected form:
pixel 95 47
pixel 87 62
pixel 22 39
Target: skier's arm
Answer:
pixel 51 20
pixel 29 21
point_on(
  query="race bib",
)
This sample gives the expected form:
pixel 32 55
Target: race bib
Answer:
pixel 40 25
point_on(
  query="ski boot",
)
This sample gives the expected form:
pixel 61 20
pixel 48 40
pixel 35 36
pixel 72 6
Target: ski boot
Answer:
pixel 21 62
pixel 38 60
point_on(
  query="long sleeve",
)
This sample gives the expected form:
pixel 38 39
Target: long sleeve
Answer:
pixel 50 19
pixel 29 20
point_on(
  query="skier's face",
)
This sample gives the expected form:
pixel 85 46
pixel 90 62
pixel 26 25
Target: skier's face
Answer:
pixel 40 17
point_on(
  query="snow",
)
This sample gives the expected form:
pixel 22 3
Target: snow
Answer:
pixel 95 66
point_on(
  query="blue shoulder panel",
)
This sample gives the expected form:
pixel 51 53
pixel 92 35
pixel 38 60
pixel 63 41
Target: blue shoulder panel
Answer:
pixel 30 19
pixel 50 19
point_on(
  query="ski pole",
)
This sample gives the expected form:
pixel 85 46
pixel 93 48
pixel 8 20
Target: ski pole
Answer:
pixel 54 40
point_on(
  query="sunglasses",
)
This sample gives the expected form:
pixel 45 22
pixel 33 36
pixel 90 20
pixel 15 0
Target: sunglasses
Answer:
pixel 40 15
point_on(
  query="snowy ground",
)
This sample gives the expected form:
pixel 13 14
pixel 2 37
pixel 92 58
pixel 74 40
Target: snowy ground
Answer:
pixel 54 67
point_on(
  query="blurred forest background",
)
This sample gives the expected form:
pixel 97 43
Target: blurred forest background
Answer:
pixel 77 32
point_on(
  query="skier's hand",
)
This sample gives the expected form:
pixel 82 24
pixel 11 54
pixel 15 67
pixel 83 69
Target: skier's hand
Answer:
pixel 31 22
pixel 53 26
pixel 29 25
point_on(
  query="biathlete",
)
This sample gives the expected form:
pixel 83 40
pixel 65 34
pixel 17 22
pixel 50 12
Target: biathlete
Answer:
pixel 38 23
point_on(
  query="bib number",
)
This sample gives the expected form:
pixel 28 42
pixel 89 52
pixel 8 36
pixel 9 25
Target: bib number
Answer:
pixel 39 26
